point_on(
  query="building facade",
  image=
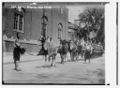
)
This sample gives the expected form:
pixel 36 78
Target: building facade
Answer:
pixel 27 21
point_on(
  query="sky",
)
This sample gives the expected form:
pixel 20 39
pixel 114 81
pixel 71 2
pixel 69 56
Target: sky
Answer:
pixel 75 10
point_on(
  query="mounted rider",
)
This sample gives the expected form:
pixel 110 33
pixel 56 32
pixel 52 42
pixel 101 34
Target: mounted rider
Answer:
pixel 73 50
pixel 52 52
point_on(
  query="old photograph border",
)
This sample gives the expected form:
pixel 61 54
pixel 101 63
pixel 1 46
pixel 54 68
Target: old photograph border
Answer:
pixel 117 51
pixel 117 68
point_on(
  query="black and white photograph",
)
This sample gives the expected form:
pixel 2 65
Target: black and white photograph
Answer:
pixel 53 43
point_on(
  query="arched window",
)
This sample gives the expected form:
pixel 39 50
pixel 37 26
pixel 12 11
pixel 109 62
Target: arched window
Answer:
pixel 60 28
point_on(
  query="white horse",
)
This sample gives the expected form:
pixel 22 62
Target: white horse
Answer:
pixel 51 50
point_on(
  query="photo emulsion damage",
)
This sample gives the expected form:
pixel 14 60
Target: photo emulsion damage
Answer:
pixel 53 43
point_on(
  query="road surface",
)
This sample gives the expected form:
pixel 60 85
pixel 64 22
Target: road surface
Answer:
pixel 36 70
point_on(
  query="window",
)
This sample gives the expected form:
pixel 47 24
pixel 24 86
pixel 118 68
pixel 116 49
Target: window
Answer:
pixel 60 28
pixel 18 22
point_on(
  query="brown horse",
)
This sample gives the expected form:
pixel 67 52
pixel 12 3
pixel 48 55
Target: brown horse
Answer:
pixel 63 50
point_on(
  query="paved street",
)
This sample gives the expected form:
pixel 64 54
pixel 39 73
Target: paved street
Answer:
pixel 35 70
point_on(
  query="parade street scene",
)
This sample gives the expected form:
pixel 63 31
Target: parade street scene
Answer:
pixel 53 43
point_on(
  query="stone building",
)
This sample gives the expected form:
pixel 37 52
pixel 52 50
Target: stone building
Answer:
pixel 26 19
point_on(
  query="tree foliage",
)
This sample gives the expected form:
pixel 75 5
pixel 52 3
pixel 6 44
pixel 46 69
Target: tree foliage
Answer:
pixel 93 18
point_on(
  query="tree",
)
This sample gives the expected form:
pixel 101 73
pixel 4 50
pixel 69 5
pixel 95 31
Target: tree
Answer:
pixel 93 18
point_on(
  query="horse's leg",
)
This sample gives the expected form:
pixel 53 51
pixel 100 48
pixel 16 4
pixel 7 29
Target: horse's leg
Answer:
pixel 45 58
pixel 84 56
pixel 62 58
pixel 85 60
pixel 89 60
pixel 76 56
pixel 80 54
pixel 66 58
pixel 89 57
pixel 53 59
pixel 49 58
pixel 71 56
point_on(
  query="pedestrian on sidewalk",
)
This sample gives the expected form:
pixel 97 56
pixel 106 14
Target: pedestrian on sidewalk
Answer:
pixel 17 52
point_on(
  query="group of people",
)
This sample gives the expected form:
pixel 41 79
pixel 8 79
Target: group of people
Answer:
pixel 75 48
pixel 83 48
pixel 50 51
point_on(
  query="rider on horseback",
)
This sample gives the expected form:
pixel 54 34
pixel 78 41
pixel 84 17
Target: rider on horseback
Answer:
pixel 49 46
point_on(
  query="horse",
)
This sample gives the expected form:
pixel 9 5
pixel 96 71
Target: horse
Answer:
pixel 52 55
pixel 51 52
pixel 79 51
pixel 63 49
pixel 73 51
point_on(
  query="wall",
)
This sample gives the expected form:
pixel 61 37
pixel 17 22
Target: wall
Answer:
pixel 32 25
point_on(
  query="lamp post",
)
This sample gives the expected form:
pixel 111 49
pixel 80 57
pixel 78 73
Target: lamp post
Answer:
pixel 44 21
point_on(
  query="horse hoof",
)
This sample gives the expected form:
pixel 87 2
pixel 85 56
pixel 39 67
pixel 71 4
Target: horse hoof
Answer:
pixel 18 69
pixel 62 62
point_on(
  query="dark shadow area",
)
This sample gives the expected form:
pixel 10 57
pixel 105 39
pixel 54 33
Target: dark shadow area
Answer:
pixel 44 66
pixel 43 76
